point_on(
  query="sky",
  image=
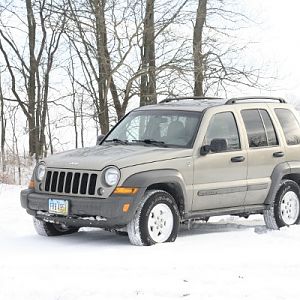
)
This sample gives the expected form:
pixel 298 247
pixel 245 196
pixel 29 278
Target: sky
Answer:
pixel 278 42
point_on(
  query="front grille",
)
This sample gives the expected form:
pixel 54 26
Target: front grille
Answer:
pixel 78 183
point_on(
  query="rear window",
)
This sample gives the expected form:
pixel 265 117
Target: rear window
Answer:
pixel 290 126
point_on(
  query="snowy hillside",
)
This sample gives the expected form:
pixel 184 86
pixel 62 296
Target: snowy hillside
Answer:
pixel 228 258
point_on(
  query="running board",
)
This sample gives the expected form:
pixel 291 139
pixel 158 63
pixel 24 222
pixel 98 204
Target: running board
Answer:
pixel 238 210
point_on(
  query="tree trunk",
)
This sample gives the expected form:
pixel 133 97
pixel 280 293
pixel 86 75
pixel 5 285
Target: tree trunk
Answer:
pixel 105 69
pixel 3 128
pixel 34 147
pixel 197 48
pixel 50 134
pixel 81 123
pixel 148 79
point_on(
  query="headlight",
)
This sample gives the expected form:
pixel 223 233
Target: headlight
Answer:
pixel 111 176
pixel 40 171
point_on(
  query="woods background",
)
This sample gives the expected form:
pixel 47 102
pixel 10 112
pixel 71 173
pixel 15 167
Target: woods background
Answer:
pixel 70 69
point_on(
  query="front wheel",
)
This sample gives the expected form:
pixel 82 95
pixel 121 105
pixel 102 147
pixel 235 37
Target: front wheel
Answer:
pixel 285 209
pixel 50 229
pixel 155 221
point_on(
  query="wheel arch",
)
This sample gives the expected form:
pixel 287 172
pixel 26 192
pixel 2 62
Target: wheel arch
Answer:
pixel 174 189
pixel 286 170
pixel 168 180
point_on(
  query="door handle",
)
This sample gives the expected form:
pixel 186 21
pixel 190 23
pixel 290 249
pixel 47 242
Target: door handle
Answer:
pixel 278 154
pixel 238 159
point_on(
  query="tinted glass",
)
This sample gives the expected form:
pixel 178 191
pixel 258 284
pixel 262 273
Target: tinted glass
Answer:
pixel 255 128
pixel 271 134
pixel 223 126
pixel 170 128
pixel 289 125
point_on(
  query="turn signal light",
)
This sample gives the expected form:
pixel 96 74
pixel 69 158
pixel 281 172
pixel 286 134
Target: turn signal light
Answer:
pixel 126 207
pixel 31 184
pixel 125 190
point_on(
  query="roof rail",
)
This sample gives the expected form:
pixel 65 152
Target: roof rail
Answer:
pixel 167 100
pixel 234 100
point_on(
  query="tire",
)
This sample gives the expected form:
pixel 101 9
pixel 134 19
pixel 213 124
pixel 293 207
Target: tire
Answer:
pixel 155 221
pixel 49 229
pixel 285 208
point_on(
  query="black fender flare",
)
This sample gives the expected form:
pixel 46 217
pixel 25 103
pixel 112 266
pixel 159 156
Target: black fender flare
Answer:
pixel 147 178
pixel 281 170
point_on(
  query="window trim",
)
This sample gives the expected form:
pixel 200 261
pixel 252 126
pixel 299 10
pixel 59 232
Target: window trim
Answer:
pixel 275 130
pixel 237 128
pixel 264 127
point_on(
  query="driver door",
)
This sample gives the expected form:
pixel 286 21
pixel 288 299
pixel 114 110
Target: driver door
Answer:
pixel 220 177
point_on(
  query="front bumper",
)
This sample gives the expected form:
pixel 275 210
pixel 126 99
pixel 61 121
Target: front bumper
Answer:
pixel 83 212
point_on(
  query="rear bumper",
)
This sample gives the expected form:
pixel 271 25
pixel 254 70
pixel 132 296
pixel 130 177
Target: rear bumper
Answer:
pixel 83 212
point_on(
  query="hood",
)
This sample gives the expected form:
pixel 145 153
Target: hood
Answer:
pixel 99 157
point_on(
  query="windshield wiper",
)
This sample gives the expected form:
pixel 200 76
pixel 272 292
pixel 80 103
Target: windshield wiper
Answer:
pixel 151 142
pixel 117 141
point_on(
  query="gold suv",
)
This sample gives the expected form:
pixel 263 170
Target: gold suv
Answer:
pixel 182 159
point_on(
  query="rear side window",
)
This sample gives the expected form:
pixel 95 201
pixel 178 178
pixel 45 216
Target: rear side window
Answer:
pixel 289 125
pixel 259 127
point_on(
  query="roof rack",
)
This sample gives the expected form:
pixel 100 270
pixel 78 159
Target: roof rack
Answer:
pixel 234 100
pixel 190 98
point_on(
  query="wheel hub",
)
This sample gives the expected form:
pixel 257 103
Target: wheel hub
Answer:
pixel 160 223
pixel 289 208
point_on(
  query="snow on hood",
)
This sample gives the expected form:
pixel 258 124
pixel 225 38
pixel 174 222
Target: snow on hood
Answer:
pixel 98 157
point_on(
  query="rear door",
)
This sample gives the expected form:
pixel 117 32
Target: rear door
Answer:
pixel 265 151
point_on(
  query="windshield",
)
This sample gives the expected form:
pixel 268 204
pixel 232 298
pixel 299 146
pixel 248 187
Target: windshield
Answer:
pixel 158 128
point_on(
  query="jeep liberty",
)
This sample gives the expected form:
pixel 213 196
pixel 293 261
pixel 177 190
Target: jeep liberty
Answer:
pixel 182 159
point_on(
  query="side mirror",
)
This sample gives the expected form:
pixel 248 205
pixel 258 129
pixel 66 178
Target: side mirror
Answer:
pixel 100 138
pixel 204 150
pixel 216 145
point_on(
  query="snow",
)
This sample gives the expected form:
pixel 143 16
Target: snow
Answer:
pixel 227 258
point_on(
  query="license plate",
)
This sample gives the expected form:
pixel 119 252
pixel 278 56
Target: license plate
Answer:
pixel 59 207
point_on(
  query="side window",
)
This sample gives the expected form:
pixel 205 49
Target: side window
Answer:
pixel 255 128
pixel 223 126
pixel 271 134
pixel 289 125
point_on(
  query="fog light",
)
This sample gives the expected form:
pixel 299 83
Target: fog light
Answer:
pixel 100 191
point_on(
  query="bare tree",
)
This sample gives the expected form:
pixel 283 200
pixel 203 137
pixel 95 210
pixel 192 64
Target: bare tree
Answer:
pixel 148 79
pixel 15 153
pixel 3 127
pixel 216 58
pixel 198 47
pixel 91 45
pixel 30 66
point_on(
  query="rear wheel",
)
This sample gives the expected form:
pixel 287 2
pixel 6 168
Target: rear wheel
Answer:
pixel 285 209
pixel 50 229
pixel 155 221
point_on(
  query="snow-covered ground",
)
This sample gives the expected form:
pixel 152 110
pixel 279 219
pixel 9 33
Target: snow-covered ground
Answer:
pixel 227 258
